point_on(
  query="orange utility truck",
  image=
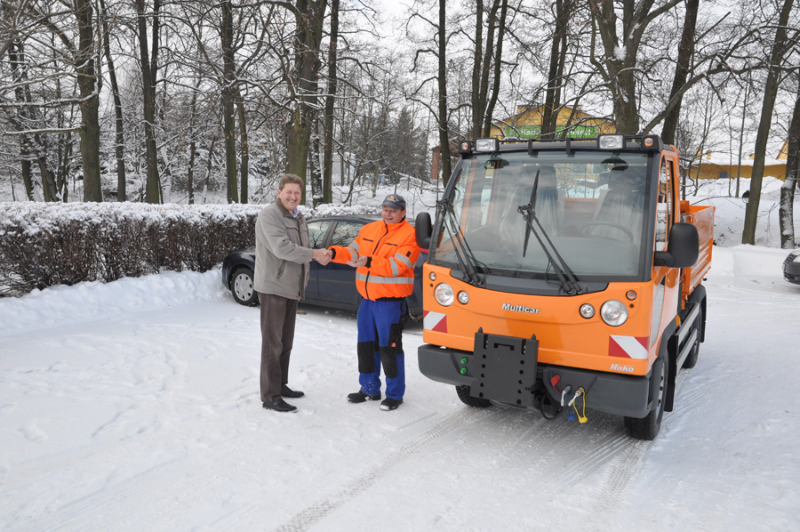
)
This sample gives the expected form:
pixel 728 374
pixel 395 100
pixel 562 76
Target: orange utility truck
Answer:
pixel 565 276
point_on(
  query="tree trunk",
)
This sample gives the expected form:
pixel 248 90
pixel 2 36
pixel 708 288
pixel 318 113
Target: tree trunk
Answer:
pixel 316 171
pixel 327 164
pixel 779 49
pixel 478 60
pixel 786 212
pixel 149 68
pixel 741 136
pixel 119 145
pixel 618 70
pixel 498 63
pixel 241 112
pixel 552 101
pixel 309 17
pixel 228 89
pixel 444 140
pixel 685 54
pixel 90 102
pixel 16 57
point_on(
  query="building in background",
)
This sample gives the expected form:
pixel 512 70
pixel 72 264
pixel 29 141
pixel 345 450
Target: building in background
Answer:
pixel 570 122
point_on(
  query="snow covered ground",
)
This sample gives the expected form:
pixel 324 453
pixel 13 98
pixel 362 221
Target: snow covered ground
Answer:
pixel 134 406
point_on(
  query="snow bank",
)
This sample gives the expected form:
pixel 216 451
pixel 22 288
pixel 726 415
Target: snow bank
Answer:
pixel 62 306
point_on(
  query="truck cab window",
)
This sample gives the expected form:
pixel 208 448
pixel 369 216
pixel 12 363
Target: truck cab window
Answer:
pixel 664 207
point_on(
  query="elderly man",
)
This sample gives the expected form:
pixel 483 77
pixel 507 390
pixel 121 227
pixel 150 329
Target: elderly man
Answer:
pixel 384 253
pixel 280 278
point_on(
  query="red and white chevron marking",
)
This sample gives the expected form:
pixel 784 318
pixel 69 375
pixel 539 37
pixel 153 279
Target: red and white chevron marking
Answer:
pixel 628 346
pixel 434 321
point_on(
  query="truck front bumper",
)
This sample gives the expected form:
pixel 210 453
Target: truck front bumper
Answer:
pixel 621 395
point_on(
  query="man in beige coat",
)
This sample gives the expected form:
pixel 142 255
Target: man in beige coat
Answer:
pixel 283 255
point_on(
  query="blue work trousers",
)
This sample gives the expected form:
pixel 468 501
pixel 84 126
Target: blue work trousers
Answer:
pixel 380 343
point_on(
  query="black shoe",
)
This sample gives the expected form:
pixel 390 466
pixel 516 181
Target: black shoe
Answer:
pixel 292 394
pixel 360 397
pixel 391 404
pixel 279 405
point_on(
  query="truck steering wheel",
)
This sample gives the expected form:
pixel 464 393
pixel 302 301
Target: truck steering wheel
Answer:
pixel 586 229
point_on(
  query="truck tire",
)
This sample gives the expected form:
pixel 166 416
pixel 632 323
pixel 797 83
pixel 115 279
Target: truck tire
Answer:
pixel 467 399
pixel 647 428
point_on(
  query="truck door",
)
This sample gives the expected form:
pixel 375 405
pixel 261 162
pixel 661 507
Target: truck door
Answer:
pixel 666 287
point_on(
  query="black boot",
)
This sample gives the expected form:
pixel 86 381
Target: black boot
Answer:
pixel 292 394
pixel 279 405
pixel 360 397
pixel 391 404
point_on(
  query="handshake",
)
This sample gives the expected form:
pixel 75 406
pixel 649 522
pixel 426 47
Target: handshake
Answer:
pixel 323 256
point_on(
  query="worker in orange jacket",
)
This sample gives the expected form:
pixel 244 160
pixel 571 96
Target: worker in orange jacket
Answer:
pixel 384 253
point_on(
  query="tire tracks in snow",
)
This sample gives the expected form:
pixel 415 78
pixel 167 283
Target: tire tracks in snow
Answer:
pixel 459 419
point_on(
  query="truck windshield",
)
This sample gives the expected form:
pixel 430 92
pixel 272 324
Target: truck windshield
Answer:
pixel 588 207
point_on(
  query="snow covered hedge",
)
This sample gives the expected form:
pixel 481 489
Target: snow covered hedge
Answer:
pixel 45 244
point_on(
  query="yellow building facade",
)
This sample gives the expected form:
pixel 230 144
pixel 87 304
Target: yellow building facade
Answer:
pixel 527 123
pixel 720 166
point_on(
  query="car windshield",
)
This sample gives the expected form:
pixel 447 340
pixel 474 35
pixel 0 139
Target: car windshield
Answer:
pixel 543 216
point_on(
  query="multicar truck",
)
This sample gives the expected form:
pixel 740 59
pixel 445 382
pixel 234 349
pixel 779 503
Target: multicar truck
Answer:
pixel 565 276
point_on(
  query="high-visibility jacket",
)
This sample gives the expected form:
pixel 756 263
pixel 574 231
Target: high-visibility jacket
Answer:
pixel 392 251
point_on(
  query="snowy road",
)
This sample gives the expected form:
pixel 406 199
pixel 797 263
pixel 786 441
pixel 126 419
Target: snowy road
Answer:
pixel 134 406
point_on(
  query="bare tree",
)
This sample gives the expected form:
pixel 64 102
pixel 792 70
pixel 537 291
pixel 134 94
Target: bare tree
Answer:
pixel 327 162
pixel 555 77
pixel 682 70
pixel 486 70
pixel 302 81
pixel 786 215
pixel 443 116
pixel 119 123
pixel 782 43
pixel 148 61
pixel 618 62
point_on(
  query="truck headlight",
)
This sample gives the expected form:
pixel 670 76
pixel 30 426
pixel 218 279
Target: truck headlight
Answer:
pixel 487 145
pixel 444 294
pixel 614 313
pixel 611 142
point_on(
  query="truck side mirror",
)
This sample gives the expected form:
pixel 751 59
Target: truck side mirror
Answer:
pixel 423 230
pixel 684 247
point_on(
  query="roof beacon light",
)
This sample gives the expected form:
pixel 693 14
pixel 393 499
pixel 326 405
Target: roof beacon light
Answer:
pixel 610 142
pixel 486 145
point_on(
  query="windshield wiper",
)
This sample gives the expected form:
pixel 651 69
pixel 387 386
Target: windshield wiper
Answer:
pixel 567 278
pixel 466 259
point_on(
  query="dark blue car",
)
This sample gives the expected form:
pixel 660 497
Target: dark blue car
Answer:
pixel 331 286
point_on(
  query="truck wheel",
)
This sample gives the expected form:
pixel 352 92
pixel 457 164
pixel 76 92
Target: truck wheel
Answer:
pixel 647 428
pixel 467 399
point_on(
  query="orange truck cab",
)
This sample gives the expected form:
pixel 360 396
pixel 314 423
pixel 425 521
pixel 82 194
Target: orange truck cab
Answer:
pixel 565 276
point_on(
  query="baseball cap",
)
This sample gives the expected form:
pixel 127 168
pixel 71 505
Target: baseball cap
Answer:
pixel 393 201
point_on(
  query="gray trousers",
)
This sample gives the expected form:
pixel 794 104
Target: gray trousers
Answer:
pixel 278 316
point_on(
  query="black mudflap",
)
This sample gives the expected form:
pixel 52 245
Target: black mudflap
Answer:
pixel 505 368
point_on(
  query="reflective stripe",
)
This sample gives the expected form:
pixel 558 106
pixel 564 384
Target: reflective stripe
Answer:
pixel 384 280
pixel 354 255
pixel 395 267
pixel 402 258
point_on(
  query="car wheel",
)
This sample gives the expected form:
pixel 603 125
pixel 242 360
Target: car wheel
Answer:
pixel 242 287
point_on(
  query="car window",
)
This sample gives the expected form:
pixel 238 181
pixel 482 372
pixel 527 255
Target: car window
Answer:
pixel 345 232
pixel 316 232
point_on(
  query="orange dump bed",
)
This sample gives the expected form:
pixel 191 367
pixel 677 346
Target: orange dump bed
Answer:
pixel 701 217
